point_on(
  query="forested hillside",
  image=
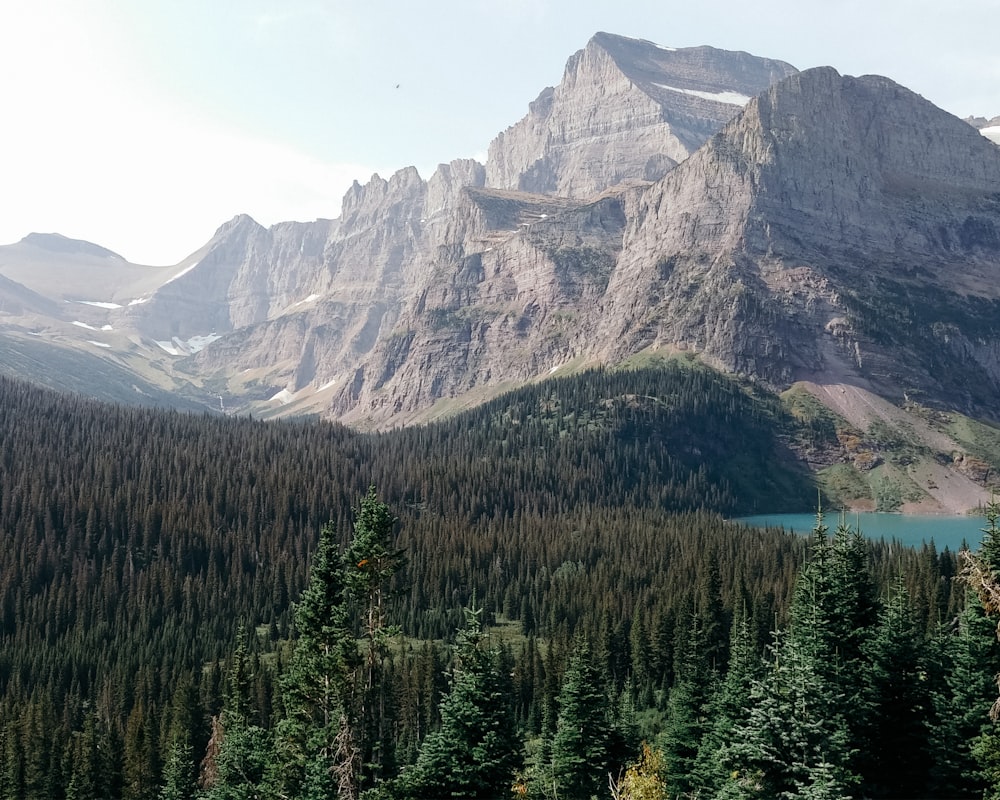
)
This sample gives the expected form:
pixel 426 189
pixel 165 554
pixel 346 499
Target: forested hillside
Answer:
pixel 580 518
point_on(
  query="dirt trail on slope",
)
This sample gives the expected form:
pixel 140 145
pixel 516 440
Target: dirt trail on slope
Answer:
pixel 950 492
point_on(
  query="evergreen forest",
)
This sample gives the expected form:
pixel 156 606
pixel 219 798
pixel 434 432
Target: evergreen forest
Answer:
pixel 541 597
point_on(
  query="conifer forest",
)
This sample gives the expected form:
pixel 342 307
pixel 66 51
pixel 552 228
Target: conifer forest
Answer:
pixel 539 598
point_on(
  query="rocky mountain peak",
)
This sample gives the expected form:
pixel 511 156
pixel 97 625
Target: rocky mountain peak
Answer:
pixel 780 225
pixel 839 226
pixel 625 109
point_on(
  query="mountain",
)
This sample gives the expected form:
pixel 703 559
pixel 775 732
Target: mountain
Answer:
pixel 297 317
pixel 809 231
pixel 17 299
pixel 626 110
pixel 839 227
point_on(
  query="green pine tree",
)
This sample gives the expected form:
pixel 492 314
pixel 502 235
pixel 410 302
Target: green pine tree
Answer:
pixel 728 703
pixel 580 746
pixel 895 754
pixel 316 754
pixel 476 751
pixel 687 706
pixel 796 732
pixel 245 753
pixel 370 564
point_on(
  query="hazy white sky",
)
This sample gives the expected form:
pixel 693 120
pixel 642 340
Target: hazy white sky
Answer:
pixel 142 125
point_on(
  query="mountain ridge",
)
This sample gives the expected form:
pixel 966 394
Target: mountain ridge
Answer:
pixel 829 229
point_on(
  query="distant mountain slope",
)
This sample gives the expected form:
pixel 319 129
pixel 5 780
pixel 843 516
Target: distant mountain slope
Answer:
pixel 61 268
pixel 18 300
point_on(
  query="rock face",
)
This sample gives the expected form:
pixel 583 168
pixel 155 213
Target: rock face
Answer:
pixel 786 226
pixel 626 109
pixel 838 226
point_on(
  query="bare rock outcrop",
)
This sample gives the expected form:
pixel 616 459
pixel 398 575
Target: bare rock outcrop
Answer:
pixel 838 226
pixel 626 109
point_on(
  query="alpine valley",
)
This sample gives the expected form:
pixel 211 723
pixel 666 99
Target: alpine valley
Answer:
pixel 832 239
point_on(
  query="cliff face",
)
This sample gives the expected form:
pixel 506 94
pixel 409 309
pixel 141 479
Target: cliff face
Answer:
pixel 838 229
pixel 840 226
pixel 817 227
pixel 626 109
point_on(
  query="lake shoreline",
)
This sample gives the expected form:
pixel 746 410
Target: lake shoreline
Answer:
pixel 952 531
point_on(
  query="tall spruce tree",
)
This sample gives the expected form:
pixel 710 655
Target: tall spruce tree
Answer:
pixel 962 701
pixel 580 746
pixel 370 563
pixel 314 739
pixel 245 753
pixel 476 751
pixel 179 772
pixel 981 571
pixel 895 752
pixel 687 708
pixel 728 703
pixel 796 737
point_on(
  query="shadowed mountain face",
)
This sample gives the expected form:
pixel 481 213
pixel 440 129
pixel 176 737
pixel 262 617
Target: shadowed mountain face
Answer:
pixel 786 226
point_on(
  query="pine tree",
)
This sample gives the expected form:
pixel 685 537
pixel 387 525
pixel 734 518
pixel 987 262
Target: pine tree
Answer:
pixel 580 758
pixel 796 736
pixel 140 768
pixel 240 765
pixel 728 703
pixel 895 751
pixel 314 739
pixel 475 752
pixel 962 701
pixel 370 564
pixel 179 773
pixel 687 720
pixel 981 571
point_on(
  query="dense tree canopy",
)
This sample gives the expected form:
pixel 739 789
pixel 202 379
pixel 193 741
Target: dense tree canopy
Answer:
pixel 138 544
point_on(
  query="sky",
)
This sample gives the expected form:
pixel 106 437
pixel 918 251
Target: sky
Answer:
pixel 143 125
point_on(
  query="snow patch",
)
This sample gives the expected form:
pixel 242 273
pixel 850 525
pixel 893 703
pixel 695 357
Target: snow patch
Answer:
pixel 284 397
pixel 992 133
pixel 182 347
pixel 330 383
pixel 554 368
pixel 731 98
pixel 666 49
pixel 183 272
pixel 84 325
pixel 97 344
pixel 97 304
pixel 311 298
pixel 198 343
pixel 106 328
pixel 138 301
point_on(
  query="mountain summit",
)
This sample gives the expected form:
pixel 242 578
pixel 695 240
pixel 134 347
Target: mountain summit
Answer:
pixel 781 225
pixel 626 109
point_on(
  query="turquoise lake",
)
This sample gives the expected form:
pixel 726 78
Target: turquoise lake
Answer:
pixel 908 529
